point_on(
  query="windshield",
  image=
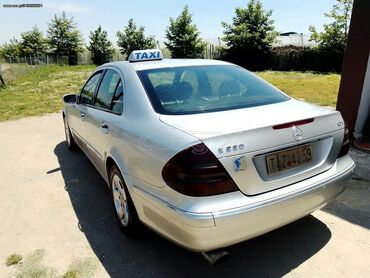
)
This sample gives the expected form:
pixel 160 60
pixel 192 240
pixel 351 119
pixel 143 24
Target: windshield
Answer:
pixel 200 89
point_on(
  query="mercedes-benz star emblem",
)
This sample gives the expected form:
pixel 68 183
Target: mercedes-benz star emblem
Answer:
pixel 297 133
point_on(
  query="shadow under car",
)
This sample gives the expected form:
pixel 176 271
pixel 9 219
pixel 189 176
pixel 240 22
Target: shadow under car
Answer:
pixel 271 255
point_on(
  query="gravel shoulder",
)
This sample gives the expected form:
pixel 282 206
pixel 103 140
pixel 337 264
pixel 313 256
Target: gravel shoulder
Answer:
pixel 54 201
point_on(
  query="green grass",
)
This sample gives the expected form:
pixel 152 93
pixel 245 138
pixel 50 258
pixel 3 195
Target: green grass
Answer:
pixel 81 268
pixel 39 90
pixel 321 89
pixel 13 259
pixel 33 266
pixel 70 274
pixel 12 72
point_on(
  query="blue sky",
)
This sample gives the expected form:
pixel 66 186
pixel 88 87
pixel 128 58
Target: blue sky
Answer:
pixel 289 15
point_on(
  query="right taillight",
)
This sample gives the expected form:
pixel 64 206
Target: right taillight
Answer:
pixel 196 171
pixel 345 144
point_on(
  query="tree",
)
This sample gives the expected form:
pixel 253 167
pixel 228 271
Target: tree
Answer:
pixel 250 36
pixel 33 43
pixel 183 37
pixel 334 36
pixel 64 38
pixel 100 47
pixel 11 49
pixel 133 38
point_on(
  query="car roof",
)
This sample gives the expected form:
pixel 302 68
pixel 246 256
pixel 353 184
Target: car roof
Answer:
pixel 165 63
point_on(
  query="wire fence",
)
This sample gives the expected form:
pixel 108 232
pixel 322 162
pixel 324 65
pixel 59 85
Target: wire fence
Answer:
pixel 46 59
pixel 13 67
pixel 83 58
pixel 11 71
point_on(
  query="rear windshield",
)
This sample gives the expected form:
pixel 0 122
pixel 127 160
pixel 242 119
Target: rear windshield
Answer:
pixel 200 89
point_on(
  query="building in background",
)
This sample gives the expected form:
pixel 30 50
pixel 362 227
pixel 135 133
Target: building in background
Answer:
pixel 295 39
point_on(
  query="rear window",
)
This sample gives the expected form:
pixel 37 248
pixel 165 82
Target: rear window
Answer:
pixel 200 89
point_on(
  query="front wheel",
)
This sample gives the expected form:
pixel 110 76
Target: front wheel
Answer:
pixel 125 210
pixel 71 144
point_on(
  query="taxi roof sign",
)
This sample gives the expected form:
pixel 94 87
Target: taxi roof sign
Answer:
pixel 145 55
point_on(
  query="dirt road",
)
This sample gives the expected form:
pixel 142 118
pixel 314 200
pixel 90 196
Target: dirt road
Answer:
pixel 55 211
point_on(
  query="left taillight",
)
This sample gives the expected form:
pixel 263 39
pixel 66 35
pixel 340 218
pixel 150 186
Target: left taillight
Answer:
pixel 196 171
pixel 345 143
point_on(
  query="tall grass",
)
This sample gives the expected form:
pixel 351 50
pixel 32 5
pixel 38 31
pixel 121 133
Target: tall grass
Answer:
pixel 40 90
pixel 12 72
pixel 321 89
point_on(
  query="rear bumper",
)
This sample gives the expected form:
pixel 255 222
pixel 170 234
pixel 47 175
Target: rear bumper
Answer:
pixel 216 229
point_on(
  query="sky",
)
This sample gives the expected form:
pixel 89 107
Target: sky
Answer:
pixel 289 15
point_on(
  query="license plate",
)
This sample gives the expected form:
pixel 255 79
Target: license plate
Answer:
pixel 285 160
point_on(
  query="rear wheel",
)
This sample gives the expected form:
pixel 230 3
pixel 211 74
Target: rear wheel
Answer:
pixel 125 210
pixel 71 144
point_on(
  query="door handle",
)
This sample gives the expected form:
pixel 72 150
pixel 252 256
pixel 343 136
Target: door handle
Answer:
pixel 104 128
pixel 82 115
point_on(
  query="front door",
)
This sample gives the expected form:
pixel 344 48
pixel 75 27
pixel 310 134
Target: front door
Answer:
pixel 78 116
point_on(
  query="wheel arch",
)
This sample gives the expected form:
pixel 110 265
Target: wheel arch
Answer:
pixel 109 162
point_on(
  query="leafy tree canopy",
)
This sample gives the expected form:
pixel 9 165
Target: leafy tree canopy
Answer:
pixel 183 40
pixel 64 38
pixel 334 36
pixel 100 47
pixel 133 38
pixel 11 49
pixel 33 43
pixel 252 28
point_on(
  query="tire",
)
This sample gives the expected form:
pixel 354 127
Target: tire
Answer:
pixel 125 210
pixel 71 144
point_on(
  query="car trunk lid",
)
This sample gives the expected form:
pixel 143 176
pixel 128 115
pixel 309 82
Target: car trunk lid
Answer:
pixel 245 139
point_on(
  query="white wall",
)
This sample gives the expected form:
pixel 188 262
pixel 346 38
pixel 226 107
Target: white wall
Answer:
pixel 363 111
pixel 294 39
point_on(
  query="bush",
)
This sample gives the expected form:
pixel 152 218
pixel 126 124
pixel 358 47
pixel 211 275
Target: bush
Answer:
pixel 306 59
pixel 13 259
pixel 288 58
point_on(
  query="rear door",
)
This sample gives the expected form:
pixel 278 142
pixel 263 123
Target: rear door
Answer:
pixel 104 116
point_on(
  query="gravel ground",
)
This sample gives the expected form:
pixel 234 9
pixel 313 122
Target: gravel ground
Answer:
pixel 55 211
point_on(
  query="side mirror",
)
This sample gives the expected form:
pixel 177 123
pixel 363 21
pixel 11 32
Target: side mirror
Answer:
pixel 70 98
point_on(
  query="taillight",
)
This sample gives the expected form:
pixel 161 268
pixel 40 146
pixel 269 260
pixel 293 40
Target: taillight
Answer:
pixel 196 171
pixel 345 144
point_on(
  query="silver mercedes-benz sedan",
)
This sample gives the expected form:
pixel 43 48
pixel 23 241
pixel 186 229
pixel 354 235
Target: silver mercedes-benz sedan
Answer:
pixel 204 152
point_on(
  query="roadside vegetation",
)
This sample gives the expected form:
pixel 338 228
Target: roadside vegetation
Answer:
pixel 249 41
pixel 249 37
pixel 35 265
pixel 321 89
pixel 12 72
pixel 40 90
pixel 13 259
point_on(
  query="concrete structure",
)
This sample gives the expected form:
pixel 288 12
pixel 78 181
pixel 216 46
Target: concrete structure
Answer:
pixel 354 92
